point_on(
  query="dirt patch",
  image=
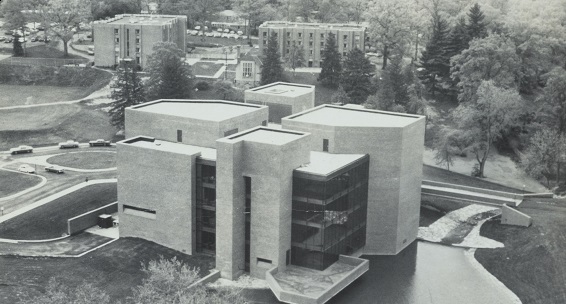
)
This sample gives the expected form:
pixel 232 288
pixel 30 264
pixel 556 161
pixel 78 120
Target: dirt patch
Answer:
pixel 12 182
pixel 85 160
pixel 114 268
pixel 50 220
pixel 533 262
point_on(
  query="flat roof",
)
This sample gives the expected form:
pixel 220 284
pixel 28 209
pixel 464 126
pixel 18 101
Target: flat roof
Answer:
pixel 349 117
pixel 167 146
pixel 211 110
pixel 142 19
pixel 284 89
pixel 322 163
pixel 323 26
pixel 268 136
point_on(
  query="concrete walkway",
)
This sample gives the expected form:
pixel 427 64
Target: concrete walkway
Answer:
pixel 9 197
pixel 55 196
pixel 42 161
pixel 68 247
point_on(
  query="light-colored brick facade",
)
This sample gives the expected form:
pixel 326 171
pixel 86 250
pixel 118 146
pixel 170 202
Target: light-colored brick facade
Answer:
pixel 312 37
pixel 133 36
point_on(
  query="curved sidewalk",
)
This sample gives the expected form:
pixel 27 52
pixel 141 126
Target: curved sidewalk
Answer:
pixel 12 196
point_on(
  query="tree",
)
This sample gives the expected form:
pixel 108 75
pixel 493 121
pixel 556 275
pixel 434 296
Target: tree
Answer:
pixel 127 91
pixel 251 11
pixel 435 59
pixel 169 75
pixel 543 155
pixel 356 76
pixel 459 40
pixel 446 145
pixel 483 122
pixel 57 293
pixel 355 10
pixel 477 29
pixel 195 10
pixel 389 22
pixel 554 98
pixel 227 91
pixel 296 57
pixel 18 50
pixel 331 66
pixel 492 58
pixel 63 16
pixel 15 19
pixel 340 97
pixel 271 70
pixel 173 282
pixel 101 9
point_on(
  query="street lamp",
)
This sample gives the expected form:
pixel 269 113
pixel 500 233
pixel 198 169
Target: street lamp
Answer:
pixel 2 210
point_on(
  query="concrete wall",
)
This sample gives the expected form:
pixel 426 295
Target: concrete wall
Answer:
pixel 196 132
pixel 298 103
pixel 84 221
pixel 160 181
pixel 510 216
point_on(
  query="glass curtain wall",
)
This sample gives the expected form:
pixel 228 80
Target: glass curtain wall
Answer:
pixel 329 215
pixel 206 208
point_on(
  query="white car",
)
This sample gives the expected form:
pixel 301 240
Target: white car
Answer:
pixel 193 32
pixel 197 27
pixel 69 144
pixel 55 169
pixel 209 34
pixel 26 168
pixel 99 142
pixel 240 33
pixel 219 30
pixel 21 149
pixel 226 31
pixel 217 35
pixel 224 35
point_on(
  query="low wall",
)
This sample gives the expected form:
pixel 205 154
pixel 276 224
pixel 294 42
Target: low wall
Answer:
pixel 362 266
pixel 510 216
pixel 213 276
pixel 89 219
pixel 474 189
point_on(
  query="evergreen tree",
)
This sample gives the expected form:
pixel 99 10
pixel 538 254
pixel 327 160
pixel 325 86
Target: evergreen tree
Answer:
pixel 169 75
pixel 331 66
pixel 340 97
pixel 356 76
pixel 459 38
pixel 394 79
pixel 271 70
pixel 435 59
pixel 18 49
pixel 476 27
pixel 127 91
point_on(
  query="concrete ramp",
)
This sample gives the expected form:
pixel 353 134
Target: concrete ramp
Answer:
pixel 471 194
pixel 300 285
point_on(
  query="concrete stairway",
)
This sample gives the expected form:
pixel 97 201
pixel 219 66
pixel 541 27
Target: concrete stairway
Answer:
pixel 470 194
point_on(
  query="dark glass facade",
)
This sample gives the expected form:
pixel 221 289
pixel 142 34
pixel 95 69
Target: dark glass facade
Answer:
pixel 205 208
pixel 329 215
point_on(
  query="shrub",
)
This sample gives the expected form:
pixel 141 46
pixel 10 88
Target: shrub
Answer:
pixel 203 86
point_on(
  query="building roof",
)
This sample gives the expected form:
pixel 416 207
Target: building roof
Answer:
pixel 210 110
pixel 143 19
pixel 167 146
pixel 268 136
pixel 322 26
pixel 348 117
pixel 322 163
pixel 284 89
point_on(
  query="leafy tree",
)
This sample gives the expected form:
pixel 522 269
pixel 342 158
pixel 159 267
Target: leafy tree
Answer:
pixel 492 58
pixel 101 9
pixel 227 91
pixel 172 282
pixel 169 75
pixel 127 91
pixel 388 25
pixel 330 11
pixel 14 19
pixel 271 70
pixel 62 16
pixel 435 59
pixel 476 26
pixel 331 66
pixel 340 97
pixel 555 100
pixel 356 76
pixel 303 8
pixel 447 144
pixel 543 155
pixel 296 57
pixel 250 10
pixel 483 122
pixel 355 10
pixel 57 293
pixel 17 46
pixel 195 10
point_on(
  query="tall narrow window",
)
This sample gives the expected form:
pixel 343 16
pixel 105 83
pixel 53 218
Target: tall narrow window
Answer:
pixel 325 145
pixel 179 135
pixel 128 42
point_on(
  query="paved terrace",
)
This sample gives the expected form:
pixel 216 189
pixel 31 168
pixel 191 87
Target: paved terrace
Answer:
pixel 301 285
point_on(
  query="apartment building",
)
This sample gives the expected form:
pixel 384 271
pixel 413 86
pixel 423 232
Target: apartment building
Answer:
pixel 132 36
pixel 312 37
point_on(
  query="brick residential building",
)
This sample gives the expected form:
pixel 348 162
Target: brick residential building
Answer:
pixel 312 37
pixel 132 36
pixel 306 196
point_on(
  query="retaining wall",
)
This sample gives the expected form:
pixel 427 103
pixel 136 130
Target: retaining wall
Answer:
pixel 89 219
pixel 510 216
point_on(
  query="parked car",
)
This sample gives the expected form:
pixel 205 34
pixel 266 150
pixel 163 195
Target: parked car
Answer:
pixel 99 142
pixel 2 38
pixel 193 32
pixel 209 34
pixel 197 27
pixel 21 149
pixel 226 31
pixel 219 30
pixel 40 39
pixel 26 168
pixel 33 39
pixel 55 169
pixel 69 144
pixel 217 35
pixel 90 50
pixel 224 35
pixel 240 33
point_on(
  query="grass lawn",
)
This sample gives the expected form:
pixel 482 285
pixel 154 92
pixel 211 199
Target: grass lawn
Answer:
pixel 49 125
pixel 533 262
pixel 441 175
pixel 205 68
pixel 428 216
pixel 12 182
pixel 16 95
pixel 44 51
pixel 114 268
pixel 85 160
pixel 50 220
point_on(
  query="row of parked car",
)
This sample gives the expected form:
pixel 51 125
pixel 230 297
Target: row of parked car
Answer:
pixel 22 39
pixel 64 145
pixel 219 33
pixel 29 169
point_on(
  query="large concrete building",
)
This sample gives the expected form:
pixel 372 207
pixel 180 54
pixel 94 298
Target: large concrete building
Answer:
pixel 312 37
pixel 328 184
pixel 132 36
